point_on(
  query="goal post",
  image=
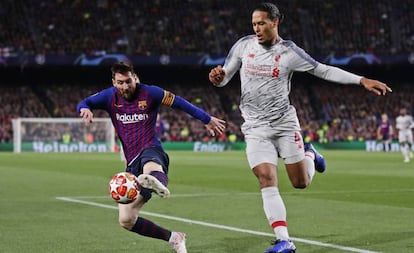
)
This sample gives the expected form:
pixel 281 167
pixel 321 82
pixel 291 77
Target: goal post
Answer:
pixel 62 135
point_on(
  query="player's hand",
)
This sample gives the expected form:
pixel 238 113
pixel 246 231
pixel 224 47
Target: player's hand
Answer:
pixel 216 75
pixel 375 86
pixel 86 115
pixel 216 126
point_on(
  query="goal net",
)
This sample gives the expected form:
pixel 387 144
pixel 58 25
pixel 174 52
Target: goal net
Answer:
pixel 62 135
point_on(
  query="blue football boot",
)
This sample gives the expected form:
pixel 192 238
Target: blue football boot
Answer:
pixel 282 246
pixel 320 165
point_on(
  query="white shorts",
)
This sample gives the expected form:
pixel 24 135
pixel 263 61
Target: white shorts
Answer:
pixel 405 135
pixel 265 144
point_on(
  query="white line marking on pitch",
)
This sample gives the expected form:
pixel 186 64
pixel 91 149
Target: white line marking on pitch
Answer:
pixel 191 195
pixel 206 224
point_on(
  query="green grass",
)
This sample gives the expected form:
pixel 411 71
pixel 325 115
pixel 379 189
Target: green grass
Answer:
pixel 365 201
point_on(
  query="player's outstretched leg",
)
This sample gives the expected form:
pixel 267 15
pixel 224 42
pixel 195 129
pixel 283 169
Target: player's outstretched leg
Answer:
pixel 177 242
pixel 282 246
pixel 151 182
pixel 320 165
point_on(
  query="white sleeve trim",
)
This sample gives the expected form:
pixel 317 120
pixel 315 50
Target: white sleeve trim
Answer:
pixel 334 74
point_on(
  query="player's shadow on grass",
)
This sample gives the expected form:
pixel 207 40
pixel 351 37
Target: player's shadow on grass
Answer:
pixel 385 238
pixel 242 244
pixel 377 239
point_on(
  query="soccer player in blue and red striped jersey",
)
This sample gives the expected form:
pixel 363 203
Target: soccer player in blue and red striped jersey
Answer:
pixel 385 132
pixel 133 108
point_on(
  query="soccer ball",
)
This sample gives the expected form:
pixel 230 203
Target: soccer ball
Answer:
pixel 124 188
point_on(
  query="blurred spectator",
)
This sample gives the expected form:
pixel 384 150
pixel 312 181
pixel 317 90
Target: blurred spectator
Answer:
pixel 327 113
pixel 184 27
pixel 14 104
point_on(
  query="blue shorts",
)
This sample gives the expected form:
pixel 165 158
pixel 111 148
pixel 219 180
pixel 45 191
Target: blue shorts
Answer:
pixel 151 154
pixel 385 137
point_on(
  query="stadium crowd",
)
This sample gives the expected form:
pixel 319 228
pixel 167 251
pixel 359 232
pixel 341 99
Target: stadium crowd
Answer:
pixel 184 27
pixel 327 112
pixel 178 27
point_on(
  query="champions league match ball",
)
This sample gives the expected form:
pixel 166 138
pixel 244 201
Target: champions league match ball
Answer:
pixel 124 188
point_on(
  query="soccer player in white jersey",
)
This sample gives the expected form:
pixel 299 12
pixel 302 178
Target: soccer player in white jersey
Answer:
pixel 404 123
pixel 271 127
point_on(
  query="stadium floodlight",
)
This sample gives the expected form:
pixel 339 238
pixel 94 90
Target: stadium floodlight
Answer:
pixel 62 135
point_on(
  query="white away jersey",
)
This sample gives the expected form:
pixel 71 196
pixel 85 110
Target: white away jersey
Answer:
pixel 404 122
pixel 265 74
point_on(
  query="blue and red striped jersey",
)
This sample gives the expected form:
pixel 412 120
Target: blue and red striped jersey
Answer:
pixel 385 128
pixel 135 121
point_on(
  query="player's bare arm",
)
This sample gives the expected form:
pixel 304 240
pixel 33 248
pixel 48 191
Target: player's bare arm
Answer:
pixel 375 86
pixel 86 115
pixel 215 126
pixel 216 75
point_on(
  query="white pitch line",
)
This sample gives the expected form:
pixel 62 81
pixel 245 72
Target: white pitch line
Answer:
pixel 207 224
pixel 191 195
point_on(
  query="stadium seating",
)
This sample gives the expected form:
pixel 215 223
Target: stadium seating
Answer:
pixel 200 27
pixel 326 112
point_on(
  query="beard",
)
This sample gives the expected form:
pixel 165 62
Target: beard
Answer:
pixel 128 94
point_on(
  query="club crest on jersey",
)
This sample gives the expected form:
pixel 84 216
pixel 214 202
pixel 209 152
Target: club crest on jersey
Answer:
pixel 277 58
pixel 142 105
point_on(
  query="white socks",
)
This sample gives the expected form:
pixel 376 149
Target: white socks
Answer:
pixel 274 207
pixel 405 149
pixel 275 211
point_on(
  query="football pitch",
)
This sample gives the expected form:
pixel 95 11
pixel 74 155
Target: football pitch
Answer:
pixel 58 202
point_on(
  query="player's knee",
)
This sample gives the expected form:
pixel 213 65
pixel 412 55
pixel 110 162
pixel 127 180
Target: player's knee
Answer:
pixel 266 177
pixel 127 222
pixel 300 183
pixel 266 181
